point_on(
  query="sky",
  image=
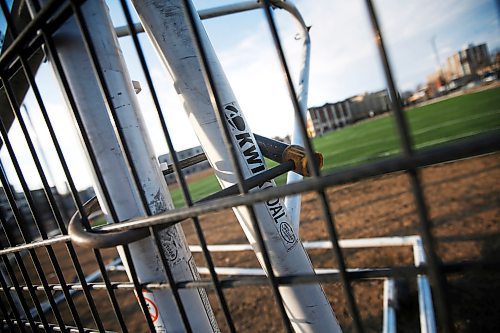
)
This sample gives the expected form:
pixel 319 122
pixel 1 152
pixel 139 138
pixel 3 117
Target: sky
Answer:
pixel 3 25
pixel 344 62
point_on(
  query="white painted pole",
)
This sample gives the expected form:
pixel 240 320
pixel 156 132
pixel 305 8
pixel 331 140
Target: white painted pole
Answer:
pixel 390 295
pixel 293 202
pixel 322 244
pixel 204 14
pixel 166 24
pixel 124 194
pixel 426 308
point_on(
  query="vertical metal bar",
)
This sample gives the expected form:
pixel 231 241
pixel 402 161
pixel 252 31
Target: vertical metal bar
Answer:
pixel 31 80
pixel 293 202
pixel 78 204
pixel 36 215
pixel 6 315
pixel 197 306
pixel 208 76
pixel 15 297
pixel 59 71
pixel 55 212
pixel 218 107
pixel 10 300
pixel 189 69
pixel 187 294
pixel 53 205
pixel 435 272
pixel 24 234
pixel 426 309
pixel 18 289
pixel 389 315
pixel 179 176
pixel 314 171
pixel 100 181
pixel 154 232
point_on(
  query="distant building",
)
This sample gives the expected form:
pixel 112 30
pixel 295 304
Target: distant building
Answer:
pixel 436 84
pixel 469 61
pixel 181 155
pixel 369 105
pixel 470 64
pixel 332 116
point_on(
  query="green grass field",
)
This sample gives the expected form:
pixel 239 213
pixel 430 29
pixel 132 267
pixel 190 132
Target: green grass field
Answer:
pixel 373 139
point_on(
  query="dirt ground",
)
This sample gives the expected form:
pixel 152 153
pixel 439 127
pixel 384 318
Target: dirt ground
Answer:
pixel 463 199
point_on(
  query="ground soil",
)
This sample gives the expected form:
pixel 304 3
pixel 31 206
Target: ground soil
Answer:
pixel 463 199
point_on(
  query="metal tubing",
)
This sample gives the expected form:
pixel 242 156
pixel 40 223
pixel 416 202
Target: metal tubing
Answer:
pixel 48 192
pixel 18 313
pixel 204 14
pixel 314 170
pixel 233 282
pixel 344 243
pixel 152 203
pixel 117 179
pixel 390 301
pixel 138 168
pixel 216 103
pixel 76 200
pixel 426 308
pixel 270 148
pixel 92 157
pixel 180 179
pixel 181 58
pixel 293 202
pixel 24 234
pixel 389 285
pixel 74 193
pixel 97 240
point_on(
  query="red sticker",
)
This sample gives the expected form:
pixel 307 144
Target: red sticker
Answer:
pixel 152 308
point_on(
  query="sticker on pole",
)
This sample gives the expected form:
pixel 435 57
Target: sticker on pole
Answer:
pixel 286 232
pixel 246 144
pixel 150 303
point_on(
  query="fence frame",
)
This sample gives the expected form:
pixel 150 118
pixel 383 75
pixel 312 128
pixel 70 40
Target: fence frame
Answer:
pixel 38 32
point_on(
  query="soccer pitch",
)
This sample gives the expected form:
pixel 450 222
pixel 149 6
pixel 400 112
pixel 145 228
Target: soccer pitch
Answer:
pixel 372 139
